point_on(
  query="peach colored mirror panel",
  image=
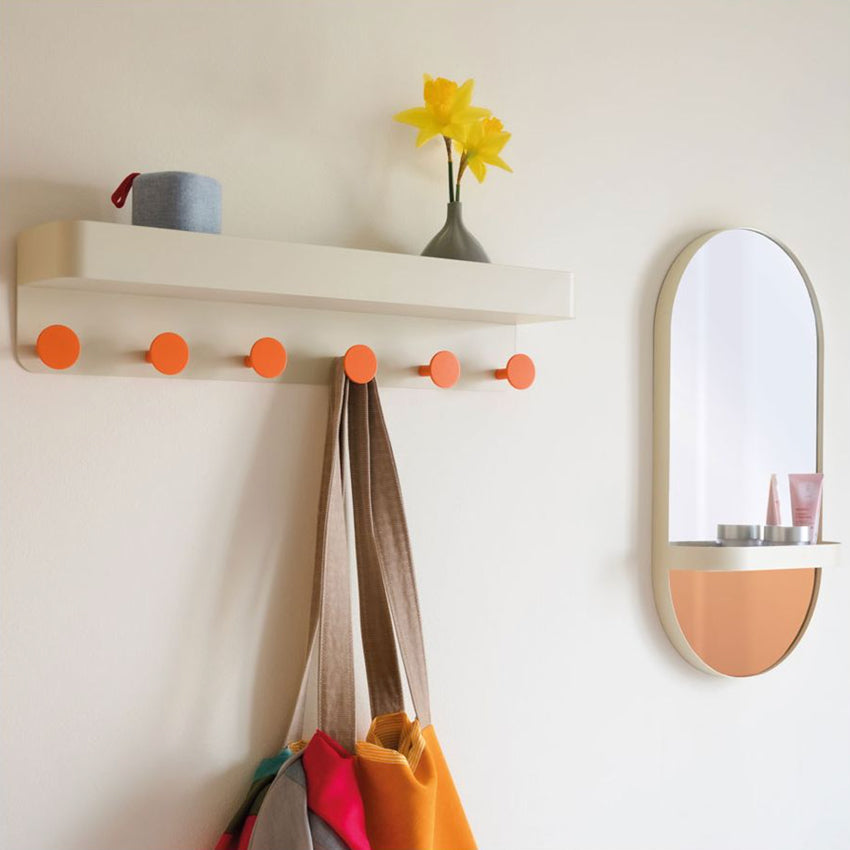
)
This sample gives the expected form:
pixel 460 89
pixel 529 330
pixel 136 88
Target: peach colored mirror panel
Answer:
pixel 742 623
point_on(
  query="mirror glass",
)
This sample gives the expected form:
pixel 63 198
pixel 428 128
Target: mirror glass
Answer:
pixel 743 383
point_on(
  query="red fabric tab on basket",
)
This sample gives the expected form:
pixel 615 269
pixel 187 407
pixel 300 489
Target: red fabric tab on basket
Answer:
pixel 332 791
pixel 119 196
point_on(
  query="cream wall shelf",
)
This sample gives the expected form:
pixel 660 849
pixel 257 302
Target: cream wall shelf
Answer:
pixel 119 285
pixel 94 255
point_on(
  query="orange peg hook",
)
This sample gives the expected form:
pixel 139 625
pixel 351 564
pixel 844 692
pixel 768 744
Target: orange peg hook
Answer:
pixel 360 364
pixel 58 347
pixel 519 372
pixel 443 370
pixel 267 357
pixel 168 353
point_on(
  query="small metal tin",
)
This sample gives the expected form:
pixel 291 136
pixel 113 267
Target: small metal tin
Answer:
pixel 738 535
pixel 787 535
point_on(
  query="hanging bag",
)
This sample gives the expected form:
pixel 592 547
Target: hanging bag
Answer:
pixel 314 802
pixel 283 811
pixel 408 793
pixel 396 792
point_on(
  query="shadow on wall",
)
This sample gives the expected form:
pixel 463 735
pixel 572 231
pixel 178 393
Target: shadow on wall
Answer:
pixel 238 645
pixel 365 200
pixel 239 648
pixel 28 202
pixel 33 202
pixel 653 276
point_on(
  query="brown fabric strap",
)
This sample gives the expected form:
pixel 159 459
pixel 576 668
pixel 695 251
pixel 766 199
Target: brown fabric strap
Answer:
pixel 389 604
pixel 376 627
pixel 330 606
pixel 392 546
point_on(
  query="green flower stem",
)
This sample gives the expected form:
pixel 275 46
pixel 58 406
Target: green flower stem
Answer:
pixel 448 142
pixel 460 170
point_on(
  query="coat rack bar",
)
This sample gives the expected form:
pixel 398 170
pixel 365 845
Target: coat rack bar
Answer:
pixel 119 287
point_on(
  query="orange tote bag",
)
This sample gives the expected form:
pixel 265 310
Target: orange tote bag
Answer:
pixel 409 797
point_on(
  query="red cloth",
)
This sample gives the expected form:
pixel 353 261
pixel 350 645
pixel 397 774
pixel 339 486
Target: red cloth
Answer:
pixel 332 790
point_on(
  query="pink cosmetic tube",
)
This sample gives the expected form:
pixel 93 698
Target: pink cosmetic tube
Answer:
pixel 774 513
pixel 806 497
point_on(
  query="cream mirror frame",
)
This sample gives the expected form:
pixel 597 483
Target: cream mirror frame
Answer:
pixel 730 610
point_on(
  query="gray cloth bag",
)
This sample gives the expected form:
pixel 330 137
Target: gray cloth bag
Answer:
pixel 176 200
pixel 286 822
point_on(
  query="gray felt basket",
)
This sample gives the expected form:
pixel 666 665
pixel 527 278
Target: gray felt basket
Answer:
pixel 179 200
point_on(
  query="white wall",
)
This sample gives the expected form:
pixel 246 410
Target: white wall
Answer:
pixel 156 536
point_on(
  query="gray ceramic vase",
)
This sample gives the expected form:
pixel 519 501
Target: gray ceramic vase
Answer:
pixel 454 241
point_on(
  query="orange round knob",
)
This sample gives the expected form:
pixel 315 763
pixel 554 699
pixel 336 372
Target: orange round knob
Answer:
pixel 519 372
pixel 443 370
pixel 360 364
pixel 168 353
pixel 58 347
pixel 267 357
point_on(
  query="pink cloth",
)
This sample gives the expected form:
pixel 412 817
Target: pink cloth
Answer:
pixel 332 791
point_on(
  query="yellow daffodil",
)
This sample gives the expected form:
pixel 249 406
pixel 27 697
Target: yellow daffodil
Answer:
pixel 447 111
pixel 480 146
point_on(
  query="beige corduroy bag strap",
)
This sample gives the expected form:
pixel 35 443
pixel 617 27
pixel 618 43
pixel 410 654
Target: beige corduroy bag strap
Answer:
pixel 409 797
pixel 389 603
pixel 330 606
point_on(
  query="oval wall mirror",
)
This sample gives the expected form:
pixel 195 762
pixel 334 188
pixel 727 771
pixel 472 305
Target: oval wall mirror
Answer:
pixel 737 397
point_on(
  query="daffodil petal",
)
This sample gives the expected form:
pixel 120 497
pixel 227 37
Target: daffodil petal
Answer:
pixel 456 132
pixel 490 150
pixel 493 146
pixel 417 117
pixel 498 162
pixel 502 139
pixel 477 167
pixel 425 134
pixel 464 95
pixel 470 115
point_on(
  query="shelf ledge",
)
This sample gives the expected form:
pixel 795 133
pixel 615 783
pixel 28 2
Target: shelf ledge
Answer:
pixel 712 557
pixel 118 258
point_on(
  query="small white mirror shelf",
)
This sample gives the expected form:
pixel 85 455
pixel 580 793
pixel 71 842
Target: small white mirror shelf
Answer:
pixel 118 286
pixel 738 396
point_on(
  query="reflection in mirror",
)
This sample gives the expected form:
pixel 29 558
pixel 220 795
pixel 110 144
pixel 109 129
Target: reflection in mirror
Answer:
pixel 743 383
